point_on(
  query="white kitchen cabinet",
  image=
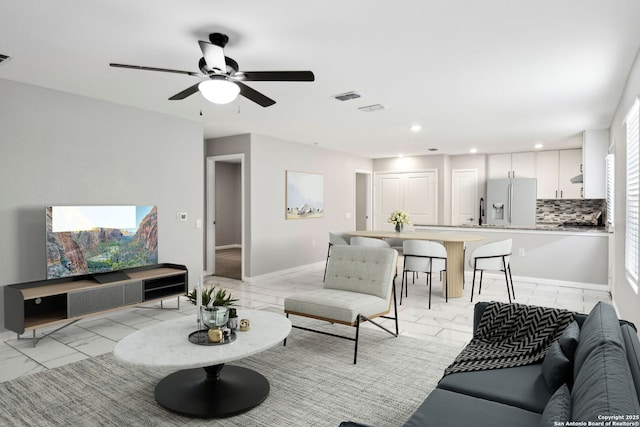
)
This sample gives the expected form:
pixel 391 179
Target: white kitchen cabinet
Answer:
pixel 595 144
pixel 570 167
pixel 554 170
pixel 547 164
pixel 511 165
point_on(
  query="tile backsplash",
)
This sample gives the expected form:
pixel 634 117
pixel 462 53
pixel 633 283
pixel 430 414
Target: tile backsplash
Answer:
pixel 568 210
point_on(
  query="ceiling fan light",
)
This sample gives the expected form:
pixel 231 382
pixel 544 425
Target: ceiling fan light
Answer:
pixel 219 91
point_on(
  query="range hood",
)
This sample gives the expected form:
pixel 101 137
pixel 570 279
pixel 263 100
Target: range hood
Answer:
pixel 576 179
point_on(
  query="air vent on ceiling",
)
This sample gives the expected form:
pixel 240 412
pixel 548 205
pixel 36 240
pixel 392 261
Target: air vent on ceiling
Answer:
pixel 432 149
pixel 4 58
pixel 370 108
pixel 347 96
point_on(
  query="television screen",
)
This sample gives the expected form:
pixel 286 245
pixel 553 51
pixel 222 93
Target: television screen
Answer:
pixel 100 239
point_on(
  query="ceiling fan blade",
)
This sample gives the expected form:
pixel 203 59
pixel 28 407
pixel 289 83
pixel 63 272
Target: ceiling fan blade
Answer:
pixel 185 93
pixel 276 76
pixel 213 56
pixel 164 70
pixel 254 95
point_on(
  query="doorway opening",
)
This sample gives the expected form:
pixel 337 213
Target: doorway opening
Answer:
pixel 224 250
pixel 364 204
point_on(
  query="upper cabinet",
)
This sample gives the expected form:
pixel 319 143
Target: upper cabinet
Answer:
pixel 554 171
pixel 595 145
pixel 511 165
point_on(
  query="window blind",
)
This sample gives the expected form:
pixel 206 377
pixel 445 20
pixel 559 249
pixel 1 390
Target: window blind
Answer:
pixel 632 251
pixel 610 164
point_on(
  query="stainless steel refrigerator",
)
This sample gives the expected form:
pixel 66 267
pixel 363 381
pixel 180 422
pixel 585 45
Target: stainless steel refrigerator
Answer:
pixel 511 202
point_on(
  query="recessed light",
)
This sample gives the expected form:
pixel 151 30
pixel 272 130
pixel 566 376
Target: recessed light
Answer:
pixel 400 155
pixel 473 150
pixel 415 128
pixel 538 146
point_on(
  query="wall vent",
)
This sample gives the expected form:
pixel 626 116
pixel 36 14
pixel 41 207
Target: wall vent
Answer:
pixel 347 96
pixel 370 108
pixel 4 58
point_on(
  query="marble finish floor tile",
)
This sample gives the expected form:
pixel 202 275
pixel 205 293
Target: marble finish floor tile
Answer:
pixel 446 323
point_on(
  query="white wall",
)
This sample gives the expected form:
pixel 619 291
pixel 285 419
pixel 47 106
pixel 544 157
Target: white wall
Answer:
pixel 274 243
pixel 58 148
pixel 625 299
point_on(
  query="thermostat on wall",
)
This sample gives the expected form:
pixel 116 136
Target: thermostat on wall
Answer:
pixel 182 216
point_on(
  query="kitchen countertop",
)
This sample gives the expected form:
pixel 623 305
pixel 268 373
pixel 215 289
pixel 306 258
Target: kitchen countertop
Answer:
pixel 541 226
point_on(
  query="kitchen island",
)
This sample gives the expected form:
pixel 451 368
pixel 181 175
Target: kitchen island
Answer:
pixel 547 253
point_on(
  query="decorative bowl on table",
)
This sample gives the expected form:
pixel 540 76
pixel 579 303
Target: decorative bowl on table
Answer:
pixel 214 317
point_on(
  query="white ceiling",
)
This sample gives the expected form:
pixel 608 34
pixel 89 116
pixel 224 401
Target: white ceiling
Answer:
pixel 498 75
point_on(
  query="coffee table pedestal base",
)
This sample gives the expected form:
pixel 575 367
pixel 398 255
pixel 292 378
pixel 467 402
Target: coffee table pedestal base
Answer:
pixel 212 392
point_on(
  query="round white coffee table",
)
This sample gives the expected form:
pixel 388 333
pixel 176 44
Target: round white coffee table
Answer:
pixel 204 387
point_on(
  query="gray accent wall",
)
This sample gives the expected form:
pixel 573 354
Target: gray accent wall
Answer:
pixel 59 148
pixel 229 208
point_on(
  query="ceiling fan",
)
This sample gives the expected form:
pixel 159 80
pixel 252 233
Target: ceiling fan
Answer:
pixel 225 80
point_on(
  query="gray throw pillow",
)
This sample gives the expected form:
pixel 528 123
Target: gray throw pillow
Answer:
pixel 558 409
pixel 569 339
pixel 556 367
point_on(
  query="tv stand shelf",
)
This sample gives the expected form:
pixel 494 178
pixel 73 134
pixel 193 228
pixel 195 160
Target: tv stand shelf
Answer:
pixel 32 305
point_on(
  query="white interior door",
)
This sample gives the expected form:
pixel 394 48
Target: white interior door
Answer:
pixel 414 192
pixel 464 196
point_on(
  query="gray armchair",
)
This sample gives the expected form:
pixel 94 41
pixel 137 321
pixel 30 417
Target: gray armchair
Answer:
pixel 359 286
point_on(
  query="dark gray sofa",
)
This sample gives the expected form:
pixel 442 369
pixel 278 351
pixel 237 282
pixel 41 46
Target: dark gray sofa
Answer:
pixel 593 369
pixel 602 380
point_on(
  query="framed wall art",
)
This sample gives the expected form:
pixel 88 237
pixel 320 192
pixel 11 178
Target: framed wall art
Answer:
pixel 304 195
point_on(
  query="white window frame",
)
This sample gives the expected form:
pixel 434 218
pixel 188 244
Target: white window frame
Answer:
pixel 632 211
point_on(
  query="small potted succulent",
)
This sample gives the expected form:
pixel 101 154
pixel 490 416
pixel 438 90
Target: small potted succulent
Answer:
pixel 215 305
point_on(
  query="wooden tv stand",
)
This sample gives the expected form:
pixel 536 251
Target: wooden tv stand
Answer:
pixel 32 305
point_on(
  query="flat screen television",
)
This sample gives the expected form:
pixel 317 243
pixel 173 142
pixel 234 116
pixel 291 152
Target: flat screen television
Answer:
pixel 100 240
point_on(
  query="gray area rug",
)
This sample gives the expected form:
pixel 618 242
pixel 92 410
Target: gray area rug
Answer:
pixel 313 383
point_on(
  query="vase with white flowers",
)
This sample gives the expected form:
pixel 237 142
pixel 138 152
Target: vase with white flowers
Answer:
pixel 399 219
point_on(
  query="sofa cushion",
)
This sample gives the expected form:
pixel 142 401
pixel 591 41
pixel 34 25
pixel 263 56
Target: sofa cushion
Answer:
pixel 604 385
pixel 558 410
pixel 569 340
pixel 556 368
pixel 522 386
pixel 444 408
pixel 601 325
pixel 632 345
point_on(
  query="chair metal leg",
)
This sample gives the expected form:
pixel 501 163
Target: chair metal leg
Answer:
pixel 284 342
pixel 403 283
pixel 513 292
pixel 506 277
pixel 395 307
pixel 473 281
pixel 446 282
pixel 355 352
pixel 327 263
pixel 480 284
pixel 430 281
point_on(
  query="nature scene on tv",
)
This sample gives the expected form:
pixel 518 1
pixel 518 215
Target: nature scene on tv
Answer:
pixel 98 239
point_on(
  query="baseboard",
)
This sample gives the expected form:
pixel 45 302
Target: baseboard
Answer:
pixel 307 267
pixel 7 335
pixel 542 281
